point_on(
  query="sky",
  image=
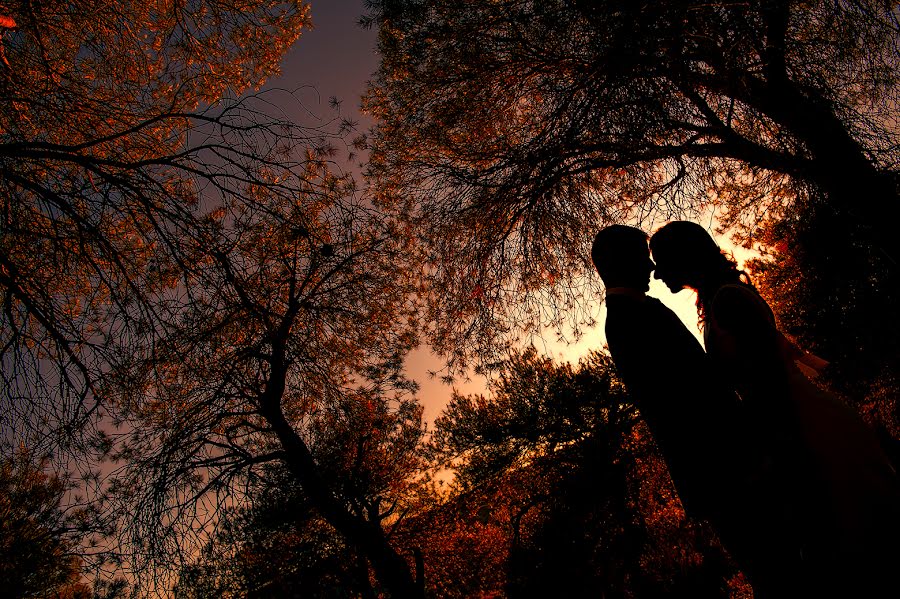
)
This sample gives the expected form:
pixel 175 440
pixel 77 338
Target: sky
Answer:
pixel 337 58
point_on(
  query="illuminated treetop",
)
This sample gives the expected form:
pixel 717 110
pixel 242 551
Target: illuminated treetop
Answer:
pixel 514 129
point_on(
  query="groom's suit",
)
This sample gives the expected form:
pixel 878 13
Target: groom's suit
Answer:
pixel 693 418
pixel 698 427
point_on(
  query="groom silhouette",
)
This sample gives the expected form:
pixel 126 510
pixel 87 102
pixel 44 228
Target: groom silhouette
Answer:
pixel 693 416
pixel 690 414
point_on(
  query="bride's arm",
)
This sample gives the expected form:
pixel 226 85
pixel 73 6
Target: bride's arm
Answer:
pixel 764 349
pixel 810 364
pixel 758 347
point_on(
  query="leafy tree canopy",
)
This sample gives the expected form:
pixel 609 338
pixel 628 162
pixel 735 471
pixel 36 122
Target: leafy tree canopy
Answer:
pixel 559 490
pixel 283 343
pixel 276 545
pixel 39 539
pixel 513 130
pixel 110 136
pixel 188 287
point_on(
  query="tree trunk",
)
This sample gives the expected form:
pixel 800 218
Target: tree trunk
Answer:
pixel 853 184
pixel 368 537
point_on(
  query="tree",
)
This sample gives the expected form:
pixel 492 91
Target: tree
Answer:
pixel 38 538
pixel 512 130
pixel 282 214
pixel 827 304
pixel 282 343
pixel 110 131
pixel 559 490
pixel 276 545
pixel 187 287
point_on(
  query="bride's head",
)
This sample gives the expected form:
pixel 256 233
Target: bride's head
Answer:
pixel 687 256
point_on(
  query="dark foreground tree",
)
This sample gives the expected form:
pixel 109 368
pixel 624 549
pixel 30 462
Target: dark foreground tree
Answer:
pixel 560 492
pixel 39 554
pixel 826 303
pixel 283 342
pixel 275 546
pixel 186 287
pixel 514 129
pixel 46 532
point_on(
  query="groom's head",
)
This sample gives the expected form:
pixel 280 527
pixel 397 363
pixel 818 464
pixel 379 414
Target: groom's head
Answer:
pixel 622 258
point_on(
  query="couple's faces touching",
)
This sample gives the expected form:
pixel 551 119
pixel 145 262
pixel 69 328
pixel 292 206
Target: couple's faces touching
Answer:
pixel 669 273
pixel 622 256
pixel 662 268
pixel 642 266
pixel 645 268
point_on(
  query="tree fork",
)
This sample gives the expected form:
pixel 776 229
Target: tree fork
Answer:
pixel 390 568
pixel 839 165
pixel 836 163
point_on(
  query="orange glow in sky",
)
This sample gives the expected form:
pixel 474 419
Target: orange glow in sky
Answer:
pixel 337 58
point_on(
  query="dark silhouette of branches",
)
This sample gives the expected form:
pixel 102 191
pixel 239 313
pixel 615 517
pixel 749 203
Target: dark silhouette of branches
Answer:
pixel 283 341
pixel 190 290
pixel 104 154
pixel 277 544
pixel 39 536
pixel 512 130
pixel 558 489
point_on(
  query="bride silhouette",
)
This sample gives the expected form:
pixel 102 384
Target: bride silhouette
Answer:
pixel 823 476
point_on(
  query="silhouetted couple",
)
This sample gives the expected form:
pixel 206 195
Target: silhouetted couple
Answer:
pixel 793 481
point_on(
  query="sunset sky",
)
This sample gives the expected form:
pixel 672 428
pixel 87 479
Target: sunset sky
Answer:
pixel 220 282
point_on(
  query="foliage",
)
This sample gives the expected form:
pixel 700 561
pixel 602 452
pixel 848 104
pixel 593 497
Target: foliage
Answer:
pixel 511 130
pixel 38 538
pixel 282 343
pixel 189 289
pixel 275 546
pixel 814 277
pixel 107 143
pixel 559 490
pixel 535 408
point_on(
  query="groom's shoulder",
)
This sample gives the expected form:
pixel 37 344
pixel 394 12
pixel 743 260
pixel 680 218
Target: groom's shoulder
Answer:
pixel 652 303
pixel 668 328
pixel 656 313
pixel 626 309
pixel 632 322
